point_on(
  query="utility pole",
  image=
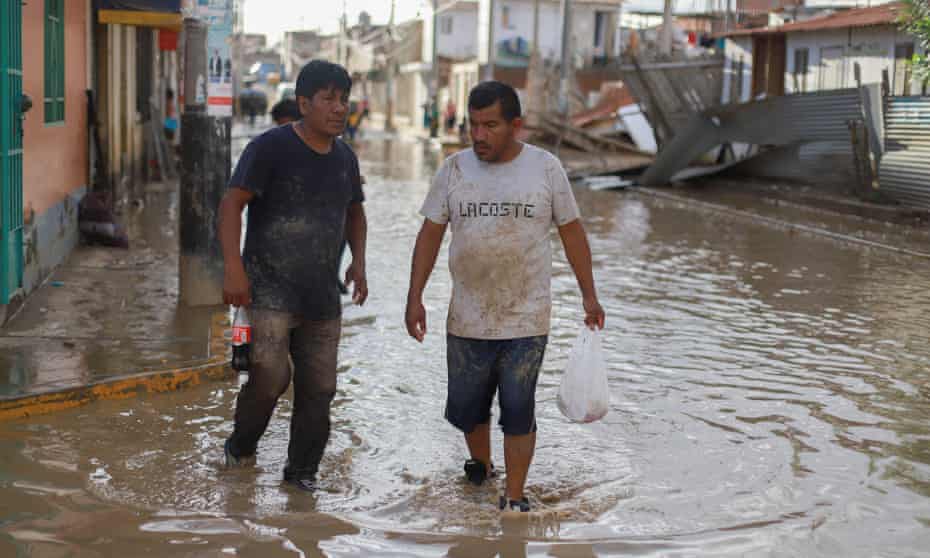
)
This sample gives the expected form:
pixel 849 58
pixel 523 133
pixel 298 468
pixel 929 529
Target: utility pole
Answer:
pixel 434 79
pixel 726 16
pixel 665 41
pixel 535 88
pixel 205 167
pixel 389 86
pixel 536 25
pixel 620 48
pixel 343 47
pixel 565 70
pixel 489 68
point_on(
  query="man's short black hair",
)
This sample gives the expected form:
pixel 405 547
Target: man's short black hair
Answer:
pixel 318 75
pixel 487 93
pixel 285 109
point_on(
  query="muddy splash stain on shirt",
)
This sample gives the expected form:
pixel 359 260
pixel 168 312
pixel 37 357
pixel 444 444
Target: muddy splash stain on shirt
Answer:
pixel 296 222
pixel 501 216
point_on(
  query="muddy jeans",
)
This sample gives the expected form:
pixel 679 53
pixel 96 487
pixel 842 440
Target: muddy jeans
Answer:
pixel 312 346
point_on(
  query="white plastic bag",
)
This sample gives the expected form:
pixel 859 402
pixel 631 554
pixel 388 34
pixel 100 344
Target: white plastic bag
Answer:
pixel 583 394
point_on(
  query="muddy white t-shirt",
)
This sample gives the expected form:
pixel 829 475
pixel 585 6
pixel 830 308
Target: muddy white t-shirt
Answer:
pixel 501 216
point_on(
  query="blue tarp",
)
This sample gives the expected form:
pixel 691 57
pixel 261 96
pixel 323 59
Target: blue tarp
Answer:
pixel 169 6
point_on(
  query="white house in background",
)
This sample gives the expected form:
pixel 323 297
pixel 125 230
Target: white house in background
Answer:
pixel 594 30
pixel 457 36
pixel 820 54
pixel 456 40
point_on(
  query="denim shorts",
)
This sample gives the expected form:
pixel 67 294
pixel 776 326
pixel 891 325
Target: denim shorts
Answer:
pixel 479 368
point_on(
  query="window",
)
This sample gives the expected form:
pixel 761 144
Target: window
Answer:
pixel 445 25
pixel 600 23
pixel 505 17
pixel 903 53
pixel 54 61
pixel 801 66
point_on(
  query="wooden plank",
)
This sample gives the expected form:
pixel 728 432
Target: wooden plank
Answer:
pixel 586 140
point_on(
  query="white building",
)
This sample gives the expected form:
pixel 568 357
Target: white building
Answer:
pixel 457 37
pixel 820 54
pixel 463 38
pixel 594 29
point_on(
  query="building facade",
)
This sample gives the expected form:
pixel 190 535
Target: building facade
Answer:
pixel 45 168
pixel 594 30
pixel 836 51
pixel 63 60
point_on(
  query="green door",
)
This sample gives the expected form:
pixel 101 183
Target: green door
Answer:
pixel 11 149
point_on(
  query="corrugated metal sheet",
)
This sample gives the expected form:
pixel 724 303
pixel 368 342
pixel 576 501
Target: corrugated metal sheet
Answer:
pixel 904 171
pixel 673 92
pixel 812 125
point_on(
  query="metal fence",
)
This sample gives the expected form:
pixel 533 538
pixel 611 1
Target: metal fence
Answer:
pixel 807 136
pixel 904 170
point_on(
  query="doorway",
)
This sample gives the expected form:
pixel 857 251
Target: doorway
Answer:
pixel 832 68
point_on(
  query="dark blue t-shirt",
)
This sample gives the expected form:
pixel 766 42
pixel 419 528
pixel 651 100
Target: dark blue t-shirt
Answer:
pixel 296 221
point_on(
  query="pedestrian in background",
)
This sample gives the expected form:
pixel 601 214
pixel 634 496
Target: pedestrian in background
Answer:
pixel 450 116
pixel 501 198
pixel 303 189
pixel 171 122
pixel 354 120
pixel 285 112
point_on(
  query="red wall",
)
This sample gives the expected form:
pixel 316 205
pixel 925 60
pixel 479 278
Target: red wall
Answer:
pixel 54 155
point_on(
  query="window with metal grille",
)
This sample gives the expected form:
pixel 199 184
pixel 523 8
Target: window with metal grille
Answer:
pixel 54 61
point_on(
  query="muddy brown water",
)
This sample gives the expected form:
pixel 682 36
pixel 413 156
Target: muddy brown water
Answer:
pixel 770 396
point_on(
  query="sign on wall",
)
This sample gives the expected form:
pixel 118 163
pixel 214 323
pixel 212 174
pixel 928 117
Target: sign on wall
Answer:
pixel 218 15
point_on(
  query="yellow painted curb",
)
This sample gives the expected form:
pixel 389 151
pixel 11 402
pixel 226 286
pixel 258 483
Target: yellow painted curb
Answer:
pixel 117 388
pixel 216 367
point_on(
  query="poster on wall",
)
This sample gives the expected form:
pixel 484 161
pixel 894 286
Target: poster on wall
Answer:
pixel 218 15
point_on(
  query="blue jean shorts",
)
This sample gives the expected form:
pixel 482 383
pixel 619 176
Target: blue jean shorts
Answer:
pixel 479 368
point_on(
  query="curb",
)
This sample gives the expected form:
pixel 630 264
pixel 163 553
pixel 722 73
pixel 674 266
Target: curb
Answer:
pixel 214 368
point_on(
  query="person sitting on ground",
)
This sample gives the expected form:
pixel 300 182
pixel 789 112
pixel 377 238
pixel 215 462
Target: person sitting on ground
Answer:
pixel 285 112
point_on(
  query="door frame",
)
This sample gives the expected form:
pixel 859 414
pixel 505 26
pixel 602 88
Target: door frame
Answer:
pixel 822 73
pixel 11 150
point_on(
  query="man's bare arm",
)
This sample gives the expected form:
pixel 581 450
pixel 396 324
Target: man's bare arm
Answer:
pixel 578 252
pixel 235 282
pixel 429 241
pixel 356 236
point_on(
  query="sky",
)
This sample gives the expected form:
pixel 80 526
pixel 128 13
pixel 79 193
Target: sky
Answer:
pixel 273 17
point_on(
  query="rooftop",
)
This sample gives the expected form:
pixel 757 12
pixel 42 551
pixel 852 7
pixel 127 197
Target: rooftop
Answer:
pixel 886 14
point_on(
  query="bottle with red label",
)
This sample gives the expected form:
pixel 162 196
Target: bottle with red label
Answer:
pixel 241 341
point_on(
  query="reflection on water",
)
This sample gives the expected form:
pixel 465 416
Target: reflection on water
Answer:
pixel 769 395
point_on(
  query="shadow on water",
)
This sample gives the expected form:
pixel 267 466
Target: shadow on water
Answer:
pixel 769 396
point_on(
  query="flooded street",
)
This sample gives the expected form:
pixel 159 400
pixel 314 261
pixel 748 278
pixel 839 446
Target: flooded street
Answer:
pixel 770 396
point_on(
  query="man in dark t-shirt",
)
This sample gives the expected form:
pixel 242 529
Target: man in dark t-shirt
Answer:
pixel 303 189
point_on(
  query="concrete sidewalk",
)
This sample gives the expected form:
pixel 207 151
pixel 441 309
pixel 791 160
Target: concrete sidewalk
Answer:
pixel 109 313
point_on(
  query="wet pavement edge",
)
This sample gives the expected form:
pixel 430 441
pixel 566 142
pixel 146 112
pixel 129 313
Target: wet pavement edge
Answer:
pixel 172 378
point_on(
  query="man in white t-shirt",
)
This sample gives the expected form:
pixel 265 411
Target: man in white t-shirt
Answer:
pixel 502 198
